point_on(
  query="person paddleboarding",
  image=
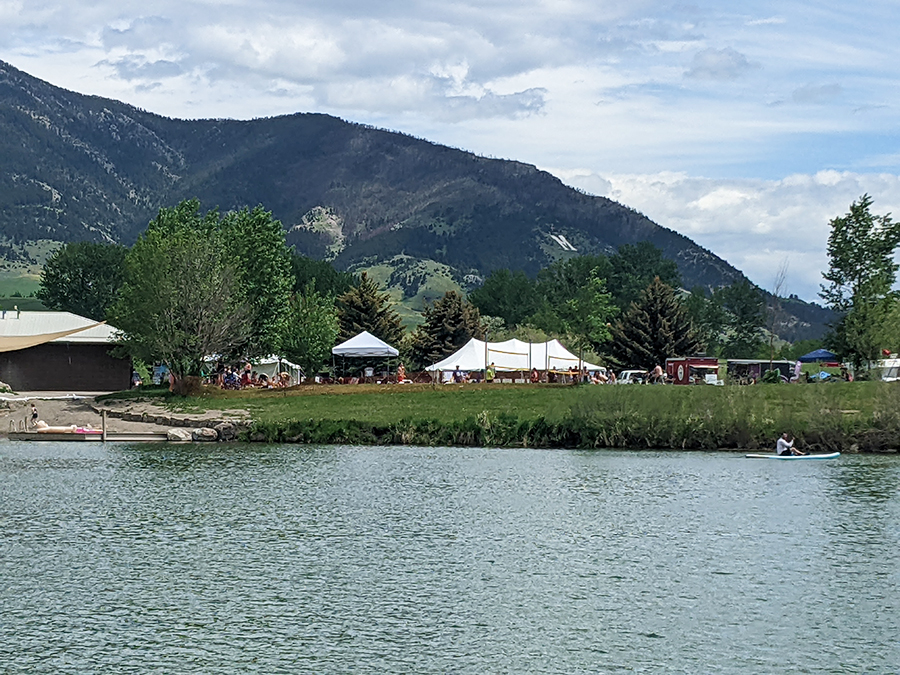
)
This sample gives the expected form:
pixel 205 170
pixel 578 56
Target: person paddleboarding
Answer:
pixel 786 447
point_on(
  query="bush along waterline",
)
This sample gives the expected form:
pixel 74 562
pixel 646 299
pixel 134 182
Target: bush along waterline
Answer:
pixel 698 418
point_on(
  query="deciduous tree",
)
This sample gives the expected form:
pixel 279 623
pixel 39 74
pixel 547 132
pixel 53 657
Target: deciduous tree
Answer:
pixel 709 318
pixel 746 317
pixel 264 271
pixel 312 329
pixel 861 272
pixel 326 279
pixel 182 299
pixel 512 296
pixel 83 278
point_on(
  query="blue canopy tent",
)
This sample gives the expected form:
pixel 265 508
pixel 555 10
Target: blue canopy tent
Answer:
pixel 818 355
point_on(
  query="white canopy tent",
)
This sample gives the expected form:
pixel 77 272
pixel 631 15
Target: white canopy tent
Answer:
pixel 364 344
pixel 512 355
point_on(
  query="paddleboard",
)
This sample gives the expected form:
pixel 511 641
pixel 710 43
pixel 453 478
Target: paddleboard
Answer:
pixel 830 455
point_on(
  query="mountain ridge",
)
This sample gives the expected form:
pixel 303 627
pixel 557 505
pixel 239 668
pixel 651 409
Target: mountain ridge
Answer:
pixel 77 167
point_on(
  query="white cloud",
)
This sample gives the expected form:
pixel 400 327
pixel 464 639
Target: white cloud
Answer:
pixel 753 224
pixel 782 107
pixel 817 94
pixel 719 64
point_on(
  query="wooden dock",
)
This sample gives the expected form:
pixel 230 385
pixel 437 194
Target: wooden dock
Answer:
pixel 111 436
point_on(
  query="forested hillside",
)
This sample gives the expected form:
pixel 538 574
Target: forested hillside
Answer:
pixel 422 216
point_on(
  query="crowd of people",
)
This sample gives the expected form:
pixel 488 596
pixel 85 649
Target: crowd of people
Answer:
pixel 227 377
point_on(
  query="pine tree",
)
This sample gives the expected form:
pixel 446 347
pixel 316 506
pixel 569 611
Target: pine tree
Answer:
pixel 449 324
pixel 654 328
pixel 365 308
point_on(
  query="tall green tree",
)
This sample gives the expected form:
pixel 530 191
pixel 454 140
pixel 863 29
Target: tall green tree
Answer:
pixel 511 296
pixel 83 278
pixel 365 308
pixel 709 318
pixel 654 328
pixel 633 267
pixel 861 272
pixel 325 278
pixel 745 306
pixel 562 280
pixel 575 301
pixel 450 322
pixel 182 298
pixel 312 329
pixel 264 273
pixel 587 314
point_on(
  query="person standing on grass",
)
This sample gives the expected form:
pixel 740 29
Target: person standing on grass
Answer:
pixel 786 447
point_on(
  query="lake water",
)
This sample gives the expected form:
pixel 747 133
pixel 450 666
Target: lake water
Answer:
pixel 289 559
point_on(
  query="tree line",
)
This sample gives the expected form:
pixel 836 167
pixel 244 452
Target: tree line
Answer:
pixel 197 284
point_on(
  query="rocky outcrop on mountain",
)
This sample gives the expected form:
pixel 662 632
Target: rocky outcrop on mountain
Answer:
pixel 75 167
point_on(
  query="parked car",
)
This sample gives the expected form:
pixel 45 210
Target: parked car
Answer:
pixel 632 377
pixel 890 369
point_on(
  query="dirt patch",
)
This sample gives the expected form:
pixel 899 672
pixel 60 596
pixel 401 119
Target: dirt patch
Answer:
pixel 122 416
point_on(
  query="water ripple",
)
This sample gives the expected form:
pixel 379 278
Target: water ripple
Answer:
pixel 284 559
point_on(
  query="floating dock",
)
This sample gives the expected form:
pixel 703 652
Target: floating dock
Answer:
pixel 125 437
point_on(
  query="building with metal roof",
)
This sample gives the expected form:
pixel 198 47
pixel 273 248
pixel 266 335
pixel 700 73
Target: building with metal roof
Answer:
pixel 59 351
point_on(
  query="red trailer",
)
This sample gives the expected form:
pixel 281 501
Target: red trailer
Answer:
pixel 692 369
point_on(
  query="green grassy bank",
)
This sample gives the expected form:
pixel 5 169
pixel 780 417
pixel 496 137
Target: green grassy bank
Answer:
pixel 859 416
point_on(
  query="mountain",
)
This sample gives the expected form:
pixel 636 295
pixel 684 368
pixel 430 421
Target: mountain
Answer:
pixel 421 216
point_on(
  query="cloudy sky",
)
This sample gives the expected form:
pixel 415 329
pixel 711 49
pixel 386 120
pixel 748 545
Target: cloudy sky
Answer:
pixel 746 126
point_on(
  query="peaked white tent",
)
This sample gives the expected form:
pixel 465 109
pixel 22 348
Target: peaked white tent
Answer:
pixel 272 365
pixel 364 344
pixel 512 355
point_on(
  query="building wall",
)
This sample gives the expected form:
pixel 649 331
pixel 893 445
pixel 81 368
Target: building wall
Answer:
pixel 65 367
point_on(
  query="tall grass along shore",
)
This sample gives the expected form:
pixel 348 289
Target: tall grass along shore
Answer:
pixel 847 417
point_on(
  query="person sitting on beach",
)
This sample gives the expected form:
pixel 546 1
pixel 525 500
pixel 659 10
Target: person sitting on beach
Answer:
pixel 786 447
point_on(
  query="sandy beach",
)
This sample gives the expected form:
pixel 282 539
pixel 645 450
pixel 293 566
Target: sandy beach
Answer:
pixel 82 409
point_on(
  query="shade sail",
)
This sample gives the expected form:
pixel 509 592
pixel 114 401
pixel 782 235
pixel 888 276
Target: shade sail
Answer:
pixel 364 344
pixel 512 355
pixel 818 355
pixel 30 329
